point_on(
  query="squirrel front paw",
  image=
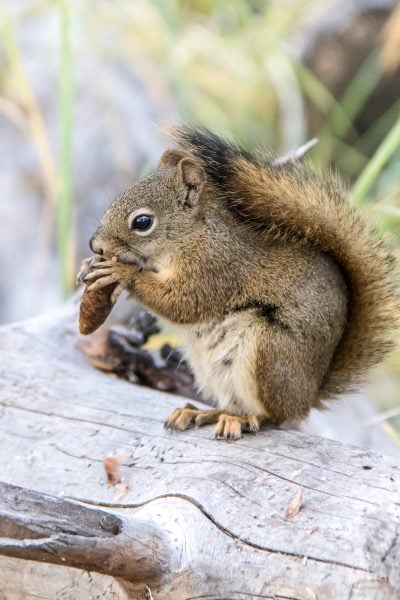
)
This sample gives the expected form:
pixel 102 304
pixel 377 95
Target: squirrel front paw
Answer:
pixel 98 273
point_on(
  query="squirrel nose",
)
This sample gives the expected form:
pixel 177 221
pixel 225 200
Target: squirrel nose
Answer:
pixel 95 246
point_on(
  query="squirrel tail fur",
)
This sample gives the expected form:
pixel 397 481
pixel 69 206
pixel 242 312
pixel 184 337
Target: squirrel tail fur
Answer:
pixel 289 203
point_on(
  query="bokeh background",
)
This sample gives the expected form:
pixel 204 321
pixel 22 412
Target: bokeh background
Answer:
pixel 84 86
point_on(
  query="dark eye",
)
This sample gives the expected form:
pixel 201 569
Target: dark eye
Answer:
pixel 142 222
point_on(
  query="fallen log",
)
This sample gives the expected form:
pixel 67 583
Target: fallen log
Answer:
pixel 192 517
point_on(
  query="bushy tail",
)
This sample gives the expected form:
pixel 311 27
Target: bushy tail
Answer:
pixel 291 204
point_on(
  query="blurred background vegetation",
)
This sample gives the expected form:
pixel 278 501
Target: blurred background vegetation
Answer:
pixel 84 85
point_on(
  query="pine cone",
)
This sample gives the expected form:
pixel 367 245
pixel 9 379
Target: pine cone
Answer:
pixel 95 307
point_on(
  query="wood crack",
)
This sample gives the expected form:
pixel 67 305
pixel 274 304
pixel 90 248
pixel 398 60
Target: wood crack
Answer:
pixel 224 530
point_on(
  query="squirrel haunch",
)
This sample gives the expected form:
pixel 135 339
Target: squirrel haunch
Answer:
pixel 281 294
pixel 298 207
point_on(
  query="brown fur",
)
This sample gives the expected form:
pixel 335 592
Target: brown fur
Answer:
pixel 282 295
pixel 301 209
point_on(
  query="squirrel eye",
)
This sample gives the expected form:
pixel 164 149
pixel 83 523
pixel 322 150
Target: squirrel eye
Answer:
pixel 142 222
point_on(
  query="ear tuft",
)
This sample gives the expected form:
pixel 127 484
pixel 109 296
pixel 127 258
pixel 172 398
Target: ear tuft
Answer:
pixel 193 178
pixel 170 158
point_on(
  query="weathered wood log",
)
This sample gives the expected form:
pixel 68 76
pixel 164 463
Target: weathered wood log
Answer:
pixel 197 518
pixel 45 528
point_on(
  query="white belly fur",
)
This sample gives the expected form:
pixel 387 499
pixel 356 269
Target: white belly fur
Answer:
pixel 222 357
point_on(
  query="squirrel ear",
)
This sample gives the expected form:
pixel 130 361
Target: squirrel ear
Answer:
pixel 170 158
pixel 193 178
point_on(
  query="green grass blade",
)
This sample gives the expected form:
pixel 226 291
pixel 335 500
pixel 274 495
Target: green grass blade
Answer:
pixel 356 94
pixel 368 141
pixel 368 176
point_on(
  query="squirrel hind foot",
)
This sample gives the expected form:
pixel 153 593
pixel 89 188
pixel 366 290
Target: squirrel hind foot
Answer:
pixel 231 427
pixel 228 427
pixel 181 418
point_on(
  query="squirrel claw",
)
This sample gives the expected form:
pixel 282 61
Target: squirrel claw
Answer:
pixel 103 281
pixel 84 270
pixel 90 264
pixel 99 272
pixel 117 292
pixel 181 418
pixel 230 427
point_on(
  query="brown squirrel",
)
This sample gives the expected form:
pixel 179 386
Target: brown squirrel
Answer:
pixel 280 294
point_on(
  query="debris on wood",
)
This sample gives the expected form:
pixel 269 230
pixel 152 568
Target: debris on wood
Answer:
pixel 111 467
pixel 295 154
pixel 122 349
pixel 294 507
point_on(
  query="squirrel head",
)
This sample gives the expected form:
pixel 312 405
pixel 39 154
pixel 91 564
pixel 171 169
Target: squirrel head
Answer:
pixel 147 221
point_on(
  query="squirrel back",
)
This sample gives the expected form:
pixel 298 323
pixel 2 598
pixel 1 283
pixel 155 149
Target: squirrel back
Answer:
pixel 291 204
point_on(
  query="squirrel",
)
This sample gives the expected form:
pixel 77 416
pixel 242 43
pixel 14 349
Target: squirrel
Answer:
pixel 281 295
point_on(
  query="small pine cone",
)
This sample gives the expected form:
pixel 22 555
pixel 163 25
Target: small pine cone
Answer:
pixel 95 307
